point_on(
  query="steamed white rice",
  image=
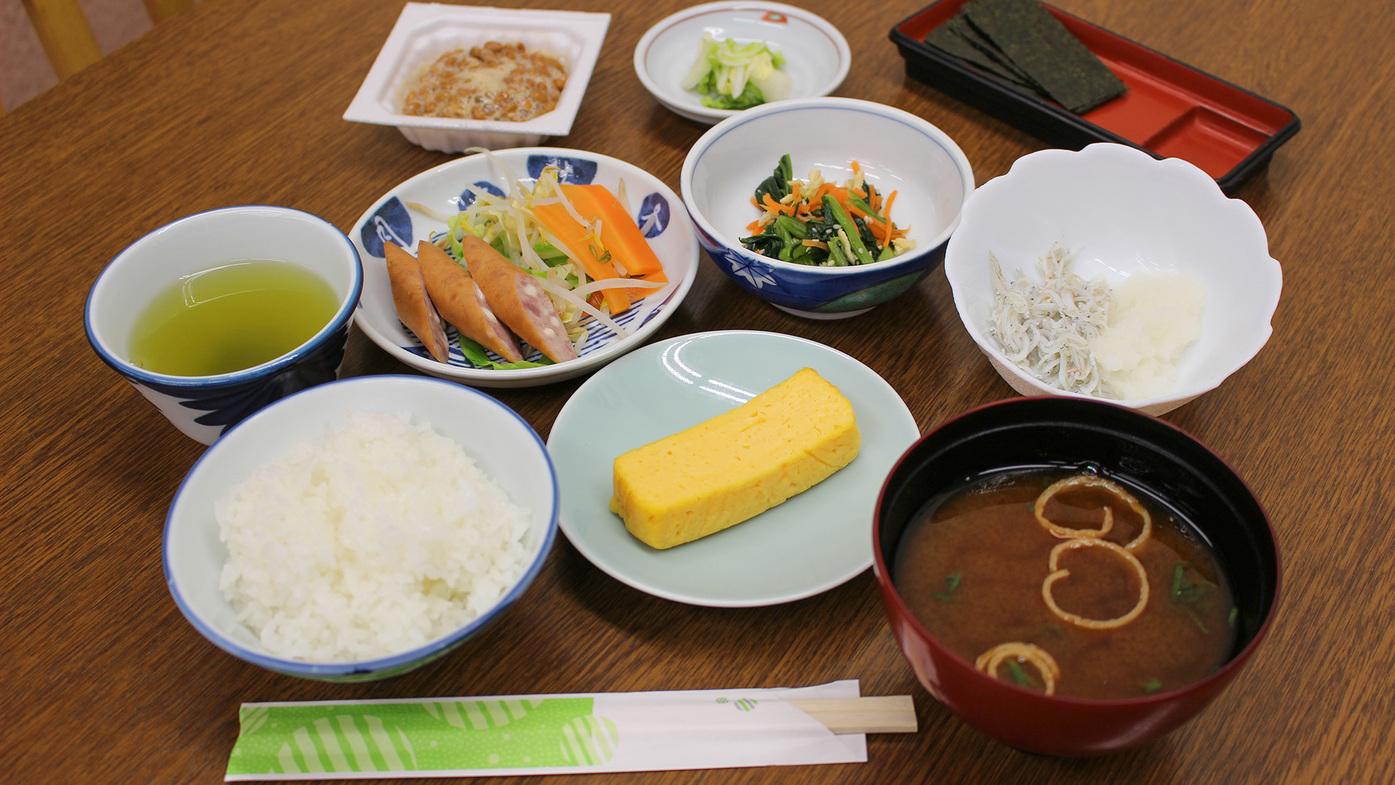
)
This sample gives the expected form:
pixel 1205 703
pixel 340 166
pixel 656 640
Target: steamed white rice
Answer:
pixel 369 541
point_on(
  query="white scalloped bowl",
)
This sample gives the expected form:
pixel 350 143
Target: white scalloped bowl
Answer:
pixel 1121 211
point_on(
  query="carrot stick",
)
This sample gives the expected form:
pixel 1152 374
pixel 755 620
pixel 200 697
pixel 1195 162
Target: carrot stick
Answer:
pixel 584 247
pixel 621 236
pixel 874 198
pixel 892 231
pixel 656 277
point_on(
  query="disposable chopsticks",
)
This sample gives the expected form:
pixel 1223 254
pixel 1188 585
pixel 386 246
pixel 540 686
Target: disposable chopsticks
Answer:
pixel 881 714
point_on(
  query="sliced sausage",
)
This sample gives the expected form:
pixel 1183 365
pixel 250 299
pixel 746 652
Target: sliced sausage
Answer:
pixel 459 301
pixel 413 304
pixel 518 300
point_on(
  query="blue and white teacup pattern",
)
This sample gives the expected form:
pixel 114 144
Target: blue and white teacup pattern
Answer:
pixel 205 407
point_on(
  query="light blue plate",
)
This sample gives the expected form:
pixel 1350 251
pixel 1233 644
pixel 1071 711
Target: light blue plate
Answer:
pixel 809 544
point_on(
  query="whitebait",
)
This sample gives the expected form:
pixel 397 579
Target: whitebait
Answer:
pixel 1046 329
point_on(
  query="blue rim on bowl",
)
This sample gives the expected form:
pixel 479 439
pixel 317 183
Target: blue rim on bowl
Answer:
pixel 381 667
pixel 204 407
pixel 821 292
pixel 343 316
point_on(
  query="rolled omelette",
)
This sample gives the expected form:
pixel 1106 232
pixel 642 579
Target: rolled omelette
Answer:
pixel 736 465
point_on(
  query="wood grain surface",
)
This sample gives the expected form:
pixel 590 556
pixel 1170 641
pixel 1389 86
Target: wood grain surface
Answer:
pixel 240 101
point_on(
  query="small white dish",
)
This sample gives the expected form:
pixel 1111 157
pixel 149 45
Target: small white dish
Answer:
pixel 1121 211
pixel 811 543
pixel 425 31
pixel 817 56
pixel 398 216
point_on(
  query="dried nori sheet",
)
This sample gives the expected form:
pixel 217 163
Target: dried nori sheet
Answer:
pixel 960 39
pixel 1028 46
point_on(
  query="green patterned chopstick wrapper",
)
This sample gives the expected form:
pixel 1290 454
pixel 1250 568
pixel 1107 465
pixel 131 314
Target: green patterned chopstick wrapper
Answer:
pixel 420 736
pixel 537 734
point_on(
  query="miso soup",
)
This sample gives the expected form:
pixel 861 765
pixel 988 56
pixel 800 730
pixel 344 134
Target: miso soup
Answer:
pixel 231 317
pixel 1067 582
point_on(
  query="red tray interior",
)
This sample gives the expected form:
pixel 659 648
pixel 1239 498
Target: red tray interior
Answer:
pixel 1170 108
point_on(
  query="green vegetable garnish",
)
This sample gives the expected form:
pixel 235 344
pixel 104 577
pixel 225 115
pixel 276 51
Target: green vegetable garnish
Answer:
pixel 777 185
pixel 475 353
pixel 1182 591
pixel 1152 686
pixel 732 75
pixel 1018 675
pixel 854 237
pixel 952 583
pixel 549 253
pixel 1188 594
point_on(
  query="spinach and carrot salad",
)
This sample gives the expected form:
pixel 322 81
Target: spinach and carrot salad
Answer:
pixel 821 223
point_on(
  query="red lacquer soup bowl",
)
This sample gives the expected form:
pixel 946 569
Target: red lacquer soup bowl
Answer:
pixel 1143 452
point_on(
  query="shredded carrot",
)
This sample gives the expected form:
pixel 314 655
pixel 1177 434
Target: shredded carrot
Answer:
pixel 893 232
pixel 874 198
pixel 863 214
pixel 873 221
pixel 775 207
pixel 805 201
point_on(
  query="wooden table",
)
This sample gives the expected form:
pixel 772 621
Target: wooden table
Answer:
pixel 239 101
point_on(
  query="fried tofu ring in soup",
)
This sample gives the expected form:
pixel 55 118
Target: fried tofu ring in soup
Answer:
pixel 1057 574
pixel 1027 653
pixel 1087 481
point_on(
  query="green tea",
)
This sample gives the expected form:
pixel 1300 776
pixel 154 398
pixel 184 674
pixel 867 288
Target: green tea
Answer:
pixel 231 317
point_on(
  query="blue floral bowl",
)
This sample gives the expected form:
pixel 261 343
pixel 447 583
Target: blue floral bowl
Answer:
pixel 419 209
pixel 896 150
pixel 204 407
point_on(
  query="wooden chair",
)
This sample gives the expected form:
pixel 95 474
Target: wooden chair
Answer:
pixel 67 36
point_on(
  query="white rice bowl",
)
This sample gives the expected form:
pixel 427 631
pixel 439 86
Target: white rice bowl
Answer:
pixel 361 528
pixel 368 541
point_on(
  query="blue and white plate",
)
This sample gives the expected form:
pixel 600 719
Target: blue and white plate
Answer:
pixel 416 210
pixel 811 543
